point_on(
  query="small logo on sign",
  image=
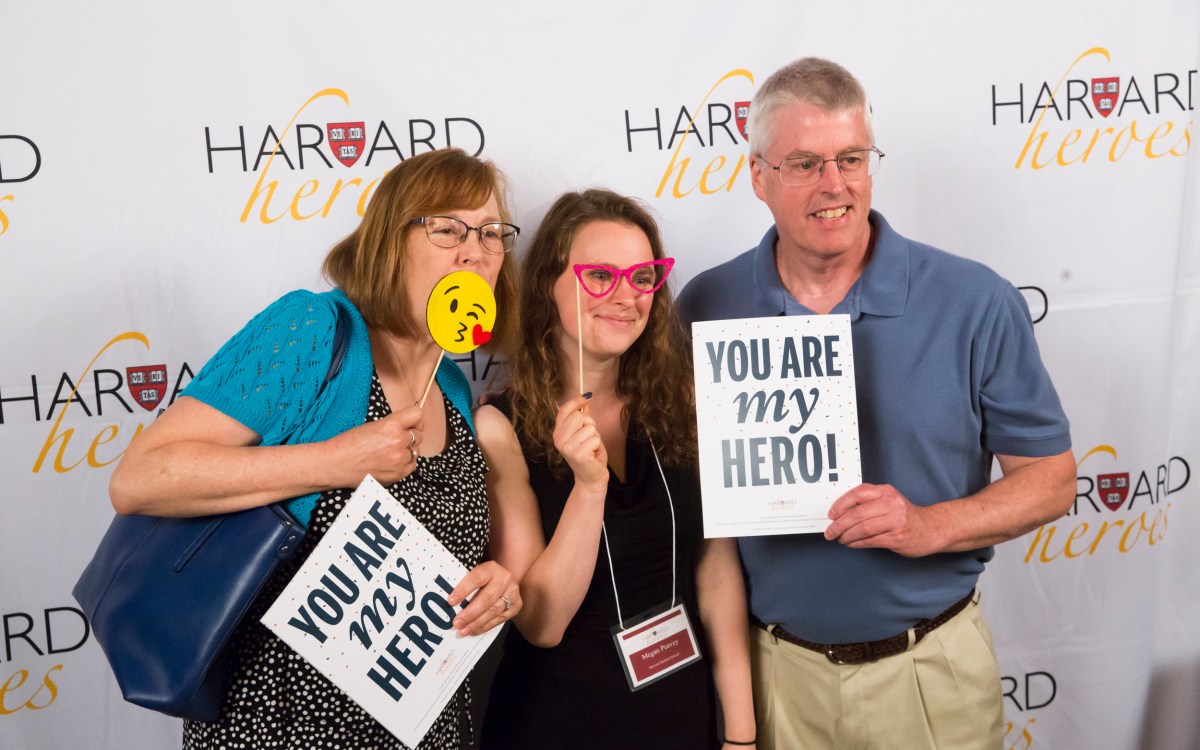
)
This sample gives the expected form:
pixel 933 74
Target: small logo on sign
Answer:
pixel 1104 94
pixel 346 140
pixel 1113 488
pixel 147 384
pixel 741 113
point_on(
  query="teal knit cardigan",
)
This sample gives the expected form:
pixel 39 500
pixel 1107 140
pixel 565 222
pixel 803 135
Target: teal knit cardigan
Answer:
pixel 269 376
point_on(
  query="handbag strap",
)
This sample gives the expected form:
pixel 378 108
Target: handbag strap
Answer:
pixel 341 341
pixel 454 384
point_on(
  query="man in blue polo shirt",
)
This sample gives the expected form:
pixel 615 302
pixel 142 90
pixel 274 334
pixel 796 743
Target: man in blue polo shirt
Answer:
pixel 870 636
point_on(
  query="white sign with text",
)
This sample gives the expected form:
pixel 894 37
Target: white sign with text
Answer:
pixel 368 609
pixel 778 422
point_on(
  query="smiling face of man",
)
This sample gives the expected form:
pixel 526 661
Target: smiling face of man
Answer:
pixel 827 219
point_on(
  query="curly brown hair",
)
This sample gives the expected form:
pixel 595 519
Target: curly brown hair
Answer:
pixel 655 374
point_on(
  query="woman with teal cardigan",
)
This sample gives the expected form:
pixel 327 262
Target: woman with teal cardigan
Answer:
pixel 272 418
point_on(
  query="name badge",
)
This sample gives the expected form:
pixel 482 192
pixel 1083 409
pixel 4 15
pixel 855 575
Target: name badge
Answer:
pixel 659 645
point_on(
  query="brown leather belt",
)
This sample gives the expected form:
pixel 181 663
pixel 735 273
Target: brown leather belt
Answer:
pixel 860 653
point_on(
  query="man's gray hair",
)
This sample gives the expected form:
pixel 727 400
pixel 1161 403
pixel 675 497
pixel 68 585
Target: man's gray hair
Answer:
pixel 813 80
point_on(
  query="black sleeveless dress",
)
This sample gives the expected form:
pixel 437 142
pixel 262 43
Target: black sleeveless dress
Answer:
pixel 575 696
pixel 277 700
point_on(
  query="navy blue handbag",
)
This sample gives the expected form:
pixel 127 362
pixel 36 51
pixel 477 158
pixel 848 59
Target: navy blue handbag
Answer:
pixel 164 595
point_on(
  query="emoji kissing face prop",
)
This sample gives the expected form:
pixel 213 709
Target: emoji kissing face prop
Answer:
pixel 461 312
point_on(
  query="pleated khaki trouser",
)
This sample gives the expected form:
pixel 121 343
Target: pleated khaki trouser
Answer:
pixel 942 694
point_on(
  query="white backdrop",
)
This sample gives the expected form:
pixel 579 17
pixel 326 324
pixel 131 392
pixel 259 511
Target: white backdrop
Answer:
pixel 142 221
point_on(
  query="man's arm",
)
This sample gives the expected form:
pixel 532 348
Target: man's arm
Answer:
pixel 1033 491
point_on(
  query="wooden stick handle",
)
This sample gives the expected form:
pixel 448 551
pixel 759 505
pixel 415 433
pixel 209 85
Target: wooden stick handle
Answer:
pixel 579 334
pixel 429 385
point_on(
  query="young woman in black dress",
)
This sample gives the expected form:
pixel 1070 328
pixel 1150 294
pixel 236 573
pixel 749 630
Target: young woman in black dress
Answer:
pixel 595 500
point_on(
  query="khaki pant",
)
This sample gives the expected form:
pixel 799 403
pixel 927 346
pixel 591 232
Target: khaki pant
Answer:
pixel 943 694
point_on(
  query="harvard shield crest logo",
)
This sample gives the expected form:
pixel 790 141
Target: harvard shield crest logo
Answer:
pixel 147 384
pixel 1113 489
pixel 1104 94
pixel 741 113
pixel 346 140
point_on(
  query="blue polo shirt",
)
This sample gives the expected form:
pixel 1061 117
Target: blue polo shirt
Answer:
pixel 947 373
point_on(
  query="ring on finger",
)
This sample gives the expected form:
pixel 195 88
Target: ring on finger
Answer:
pixel 412 439
pixel 507 603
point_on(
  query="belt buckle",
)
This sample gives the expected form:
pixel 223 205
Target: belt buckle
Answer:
pixel 831 655
pixel 844 654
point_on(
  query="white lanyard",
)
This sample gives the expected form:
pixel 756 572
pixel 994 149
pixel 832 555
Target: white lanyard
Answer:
pixel 608 550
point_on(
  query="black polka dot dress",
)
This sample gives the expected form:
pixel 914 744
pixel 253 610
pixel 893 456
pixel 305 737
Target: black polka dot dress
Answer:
pixel 277 700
